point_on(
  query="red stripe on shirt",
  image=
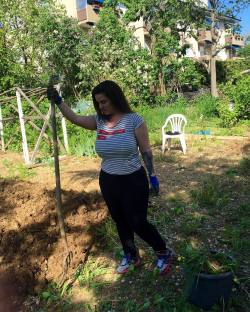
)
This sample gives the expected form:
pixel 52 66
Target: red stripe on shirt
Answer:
pixel 101 137
pixel 111 132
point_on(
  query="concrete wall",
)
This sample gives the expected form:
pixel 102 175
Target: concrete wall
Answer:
pixel 138 28
pixel 70 6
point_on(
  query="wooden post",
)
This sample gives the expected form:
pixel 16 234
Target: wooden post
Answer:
pixel 45 124
pixel 22 125
pixel 1 129
pixel 65 135
pixel 38 112
pixel 34 126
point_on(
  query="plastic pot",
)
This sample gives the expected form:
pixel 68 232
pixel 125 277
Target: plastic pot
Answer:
pixel 209 289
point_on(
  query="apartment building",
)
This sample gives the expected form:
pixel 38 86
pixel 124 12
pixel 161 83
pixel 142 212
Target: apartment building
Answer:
pixel 228 43
pixel 87 14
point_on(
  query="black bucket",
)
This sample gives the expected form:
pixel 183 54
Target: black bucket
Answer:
pixel 209 289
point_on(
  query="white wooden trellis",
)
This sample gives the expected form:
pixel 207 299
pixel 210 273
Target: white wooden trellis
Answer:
pixel 23 119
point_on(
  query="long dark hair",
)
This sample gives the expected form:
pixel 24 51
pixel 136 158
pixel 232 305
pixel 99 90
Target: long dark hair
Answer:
pixel 114 93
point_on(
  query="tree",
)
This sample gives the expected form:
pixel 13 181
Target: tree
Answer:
pixel 183 17
pixel 221 11
pixel 37 38
pixel 245 52
pixel 113 53
pixel 165 21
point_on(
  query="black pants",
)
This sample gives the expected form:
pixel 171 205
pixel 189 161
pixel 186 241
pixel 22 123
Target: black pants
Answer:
pixel 127 199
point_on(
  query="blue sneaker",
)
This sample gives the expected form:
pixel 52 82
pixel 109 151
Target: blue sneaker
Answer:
pixel 126 262
pixel 164 261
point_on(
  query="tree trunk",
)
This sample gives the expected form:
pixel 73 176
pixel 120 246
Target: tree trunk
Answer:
pixel 160 88
pixel 162 84
pixel 213 76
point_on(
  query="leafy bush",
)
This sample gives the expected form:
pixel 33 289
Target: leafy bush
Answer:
pixel 163 100
pixel 239 94
pixel 245 52
pixel 207 105
pixel 231 69
pixel 228 117
pixel 81 141
pixel 183 74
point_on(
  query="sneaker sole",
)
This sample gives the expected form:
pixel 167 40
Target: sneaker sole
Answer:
pixel 136 265
pixel 167 269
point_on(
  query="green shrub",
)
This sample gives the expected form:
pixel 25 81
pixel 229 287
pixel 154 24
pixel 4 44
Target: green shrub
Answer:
pixel 239 94
pixel 81 141
pixel 245 166
pixel 183 73
pixel 164 100
pixel 206 105
pixel 228 117
pixel 230 69
pixel 245 52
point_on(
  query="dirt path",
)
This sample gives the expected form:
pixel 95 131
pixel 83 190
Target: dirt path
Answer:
pixel 30 247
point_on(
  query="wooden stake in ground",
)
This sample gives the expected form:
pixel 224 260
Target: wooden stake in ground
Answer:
pixel 22 124
pixel 1 130
pixel 68 254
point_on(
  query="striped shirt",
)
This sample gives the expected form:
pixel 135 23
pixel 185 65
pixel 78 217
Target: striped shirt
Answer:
pixel 117 146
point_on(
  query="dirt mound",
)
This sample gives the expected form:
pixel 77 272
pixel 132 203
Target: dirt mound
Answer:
pixel 31 250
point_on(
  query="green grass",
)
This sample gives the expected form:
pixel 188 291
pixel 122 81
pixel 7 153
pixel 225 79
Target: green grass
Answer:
pixel 155 118
pixel 244 166
pixel 18 170
pixel 89 275
pixel 210 193
pixel 107 234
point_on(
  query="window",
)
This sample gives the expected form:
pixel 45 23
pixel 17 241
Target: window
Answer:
pixel 205 49
pixel 233 51
pixel 81 4
pixel 95 1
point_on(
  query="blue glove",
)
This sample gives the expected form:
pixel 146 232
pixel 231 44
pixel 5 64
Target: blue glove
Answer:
pixel 154 184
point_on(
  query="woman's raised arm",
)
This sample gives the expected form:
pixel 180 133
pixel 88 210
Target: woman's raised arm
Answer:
pixel 87 122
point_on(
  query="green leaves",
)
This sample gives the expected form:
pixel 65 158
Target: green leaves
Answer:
pixel 112 52
pixel 239 95
pixel 181 73
pixel 38 38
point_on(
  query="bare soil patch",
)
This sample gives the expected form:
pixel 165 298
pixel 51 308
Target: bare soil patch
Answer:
pixel 31 250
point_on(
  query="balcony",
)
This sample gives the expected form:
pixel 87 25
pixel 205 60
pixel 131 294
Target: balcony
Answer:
pixel 88 16
pixel 204 35
pixel 235 40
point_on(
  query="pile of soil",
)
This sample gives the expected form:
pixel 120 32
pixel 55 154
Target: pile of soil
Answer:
pixel 31 250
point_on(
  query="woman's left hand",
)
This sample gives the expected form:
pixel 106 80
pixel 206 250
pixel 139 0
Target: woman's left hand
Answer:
pixel 155 185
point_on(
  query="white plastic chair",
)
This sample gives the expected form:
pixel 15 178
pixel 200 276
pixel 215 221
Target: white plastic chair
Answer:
pixel 177 123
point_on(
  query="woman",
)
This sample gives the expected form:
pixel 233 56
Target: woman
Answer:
pixel 123 180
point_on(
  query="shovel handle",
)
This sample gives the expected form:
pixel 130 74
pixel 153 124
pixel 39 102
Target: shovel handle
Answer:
pixel 57 173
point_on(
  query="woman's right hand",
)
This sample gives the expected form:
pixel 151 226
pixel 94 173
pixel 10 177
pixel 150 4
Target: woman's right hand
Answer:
pixel 53 95
pixel 155 185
